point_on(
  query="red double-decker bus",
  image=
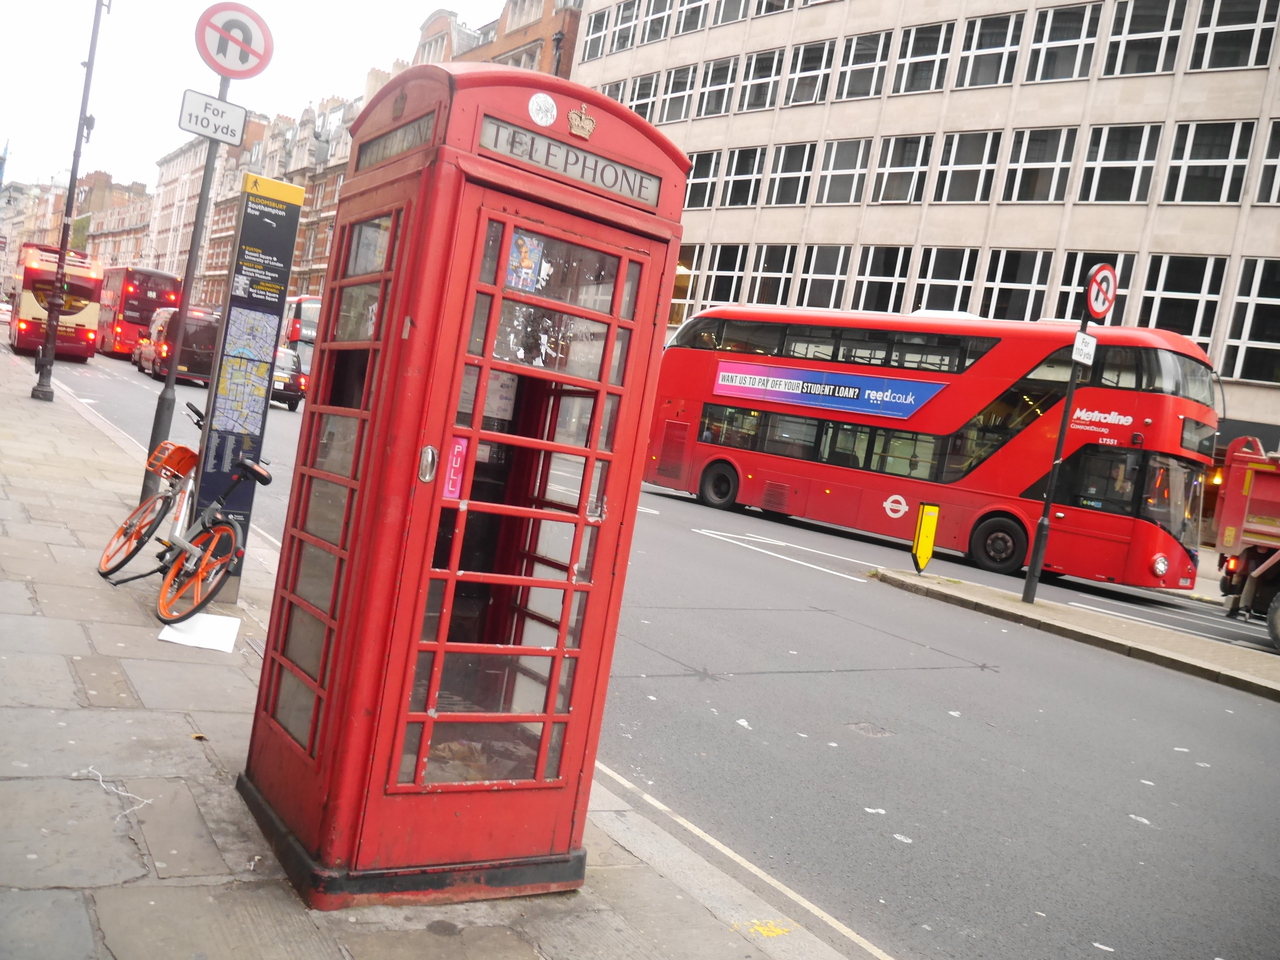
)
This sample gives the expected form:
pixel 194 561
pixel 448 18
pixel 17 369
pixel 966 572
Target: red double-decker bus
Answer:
pixel 855 419
pixel 130 295
pixel 78 319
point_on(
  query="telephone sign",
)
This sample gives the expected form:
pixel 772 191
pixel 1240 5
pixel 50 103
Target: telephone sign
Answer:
pixel 233 40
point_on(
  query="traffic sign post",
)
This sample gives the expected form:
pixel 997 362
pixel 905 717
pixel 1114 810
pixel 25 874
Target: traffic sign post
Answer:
pixel 1100 298
pixel 236 44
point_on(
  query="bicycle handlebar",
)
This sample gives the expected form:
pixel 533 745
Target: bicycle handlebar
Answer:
pixel 195 413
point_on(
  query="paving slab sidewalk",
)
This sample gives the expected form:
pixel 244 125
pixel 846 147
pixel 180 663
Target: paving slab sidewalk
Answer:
pixel 125 838
pixel 1252 670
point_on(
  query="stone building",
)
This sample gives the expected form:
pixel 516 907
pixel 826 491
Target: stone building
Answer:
pixel 976 156
pixel 532 34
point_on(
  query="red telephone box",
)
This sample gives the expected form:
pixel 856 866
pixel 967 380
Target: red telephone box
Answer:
pixel 466 488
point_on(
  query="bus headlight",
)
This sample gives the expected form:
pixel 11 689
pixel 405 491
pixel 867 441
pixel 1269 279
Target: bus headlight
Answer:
pixel 1160 565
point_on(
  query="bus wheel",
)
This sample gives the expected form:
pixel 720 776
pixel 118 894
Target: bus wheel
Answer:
pixel 999 544
pixel 719 486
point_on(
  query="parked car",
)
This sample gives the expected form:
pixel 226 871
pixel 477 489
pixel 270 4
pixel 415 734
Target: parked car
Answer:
pixel 198 343
pixel 289 385
pixel 6 312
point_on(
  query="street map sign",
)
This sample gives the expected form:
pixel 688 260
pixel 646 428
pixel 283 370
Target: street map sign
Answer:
pixel 1100 290
pixel 233 40
pixel 244 361
pixel 208 116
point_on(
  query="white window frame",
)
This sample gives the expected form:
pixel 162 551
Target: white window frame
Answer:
pixel 656 20
pixel 597 34
pixel 1241 344
pixel 677 93
pixel 1133 50
pixel 810 74
pixel 766 7
pixel 1209 31
pixel 889 169
pixel 770 60
pixel 715 96
pixel 1048 57
pixel 704 172
pixel 844 162
pixel 1097 163
pixel 792 169
pixel 932 285
pixel 823 275
pixel 691 16
pixel 1075 276
pixel 1031 152
pixel 771 274
pixel 990 42
pixel 892 280
pixel 615 90
pixel 645 91
pixel 920 50
pixel 1162 270
pixel 1269 182
pixel 953 178
pixel 745 165
pixel 866 57
pixel 684 294
pixel 730 11
pixel 1000 285
pixel 626 19
pixel 1233 166
pixel 726 262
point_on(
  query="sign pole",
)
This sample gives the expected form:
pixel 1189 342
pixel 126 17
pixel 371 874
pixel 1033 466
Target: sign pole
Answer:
pixel 164 404
pixel 1101 294
pixel 43 390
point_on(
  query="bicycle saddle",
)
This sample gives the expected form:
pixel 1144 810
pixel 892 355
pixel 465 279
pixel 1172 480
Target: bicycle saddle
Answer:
pixel 248 470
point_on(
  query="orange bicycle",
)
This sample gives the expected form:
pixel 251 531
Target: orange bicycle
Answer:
pixel 199 552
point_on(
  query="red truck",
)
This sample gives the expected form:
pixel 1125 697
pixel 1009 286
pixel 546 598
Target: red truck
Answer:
pixel 1249 533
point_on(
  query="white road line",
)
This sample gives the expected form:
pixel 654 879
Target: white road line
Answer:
pixel 1201 620
pixel 738 543
pixel 746 864
pixel 1154 623
pixel 646 510
pixel 783 543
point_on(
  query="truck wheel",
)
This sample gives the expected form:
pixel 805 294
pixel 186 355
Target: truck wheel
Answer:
pixel 1273 621
pixel 998 544
pixel 719 486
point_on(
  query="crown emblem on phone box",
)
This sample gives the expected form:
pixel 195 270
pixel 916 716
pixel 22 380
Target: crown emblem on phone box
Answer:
pixel 581 125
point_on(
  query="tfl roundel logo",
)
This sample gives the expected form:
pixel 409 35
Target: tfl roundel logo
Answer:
pixel 895 506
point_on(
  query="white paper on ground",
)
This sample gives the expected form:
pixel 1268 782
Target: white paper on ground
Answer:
pixel 204 630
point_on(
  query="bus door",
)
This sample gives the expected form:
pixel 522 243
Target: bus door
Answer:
pixel 1093 521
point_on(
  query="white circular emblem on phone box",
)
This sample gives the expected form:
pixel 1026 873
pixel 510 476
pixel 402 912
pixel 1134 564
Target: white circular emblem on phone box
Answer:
pixel 542 109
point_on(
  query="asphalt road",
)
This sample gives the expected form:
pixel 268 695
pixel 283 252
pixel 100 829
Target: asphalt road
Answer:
pixel 944 784
pixel 127 399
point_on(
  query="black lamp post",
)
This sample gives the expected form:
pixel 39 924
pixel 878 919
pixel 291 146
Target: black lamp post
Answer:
pixel 557 39
pixel 43 390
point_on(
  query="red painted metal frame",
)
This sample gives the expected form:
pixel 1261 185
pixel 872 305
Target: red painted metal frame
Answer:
pixel 346 830
pixel 1086 543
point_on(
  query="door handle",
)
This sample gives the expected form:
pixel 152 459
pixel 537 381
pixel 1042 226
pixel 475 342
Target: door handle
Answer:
pixel 1059 516
pixel 428 460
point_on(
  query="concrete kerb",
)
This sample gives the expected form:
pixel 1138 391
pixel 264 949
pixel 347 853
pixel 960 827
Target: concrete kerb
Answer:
pixel 1057 619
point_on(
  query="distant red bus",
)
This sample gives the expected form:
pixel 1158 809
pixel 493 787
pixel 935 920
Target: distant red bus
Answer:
pixel 130 295
pixel 78 321
pixel 855 419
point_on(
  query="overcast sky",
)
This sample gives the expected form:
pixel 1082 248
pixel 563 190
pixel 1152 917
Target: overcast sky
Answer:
pixel 147 57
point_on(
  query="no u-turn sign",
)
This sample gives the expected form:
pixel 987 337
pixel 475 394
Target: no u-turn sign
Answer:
pixel 233 40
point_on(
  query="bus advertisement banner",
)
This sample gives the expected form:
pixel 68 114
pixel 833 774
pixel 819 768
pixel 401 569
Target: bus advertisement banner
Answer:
pixel 852 393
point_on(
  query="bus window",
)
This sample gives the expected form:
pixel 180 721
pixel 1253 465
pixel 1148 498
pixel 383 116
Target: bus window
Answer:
pixel 1181 376
pixel 787 436
pixel 1119 368
pixel 844 444
pixel 1171 497
pixel 729 427
pixel 1056 368
pixel 742 336
pixel 904 454
pixel 811 343
pixel 865 346
pixel 1104 479
pixel 927 352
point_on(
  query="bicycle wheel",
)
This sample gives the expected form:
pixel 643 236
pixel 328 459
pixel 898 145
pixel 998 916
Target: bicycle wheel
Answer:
pixel 132 535
pixel 193 580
